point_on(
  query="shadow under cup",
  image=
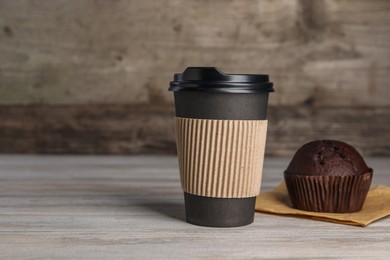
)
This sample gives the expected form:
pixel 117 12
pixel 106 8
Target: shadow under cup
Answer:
pixel 221 131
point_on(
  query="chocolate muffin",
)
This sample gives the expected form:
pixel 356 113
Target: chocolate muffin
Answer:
pixel 328 176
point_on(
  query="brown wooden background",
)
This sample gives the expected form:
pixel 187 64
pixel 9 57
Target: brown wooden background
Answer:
pixel 92 76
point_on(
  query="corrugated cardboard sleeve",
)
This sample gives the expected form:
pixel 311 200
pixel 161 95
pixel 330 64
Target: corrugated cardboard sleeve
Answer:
pixel 221 158
pixel 337 194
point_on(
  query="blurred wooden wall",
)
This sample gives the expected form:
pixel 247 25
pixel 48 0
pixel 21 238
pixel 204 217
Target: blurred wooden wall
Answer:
pixel 92 76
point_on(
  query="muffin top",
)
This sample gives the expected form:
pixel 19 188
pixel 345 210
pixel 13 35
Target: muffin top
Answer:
pixel 327 158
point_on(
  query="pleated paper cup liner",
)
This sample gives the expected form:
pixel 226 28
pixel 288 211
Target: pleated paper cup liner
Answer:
pixel 336 194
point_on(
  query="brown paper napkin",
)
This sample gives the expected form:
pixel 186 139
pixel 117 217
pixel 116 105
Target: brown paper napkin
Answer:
pixel 376 206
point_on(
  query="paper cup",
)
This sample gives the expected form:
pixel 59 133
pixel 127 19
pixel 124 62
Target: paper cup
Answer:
pixel 221 130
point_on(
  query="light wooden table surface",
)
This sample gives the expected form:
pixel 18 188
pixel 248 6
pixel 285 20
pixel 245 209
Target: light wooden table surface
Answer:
pixel 132 207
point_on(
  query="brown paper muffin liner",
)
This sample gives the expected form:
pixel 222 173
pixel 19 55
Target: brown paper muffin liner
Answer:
pixel 221 158
pixel 336 194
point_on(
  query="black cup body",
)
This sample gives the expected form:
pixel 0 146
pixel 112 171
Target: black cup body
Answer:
pixel 228 106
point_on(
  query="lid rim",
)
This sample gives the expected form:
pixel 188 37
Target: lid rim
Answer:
pixel 235 90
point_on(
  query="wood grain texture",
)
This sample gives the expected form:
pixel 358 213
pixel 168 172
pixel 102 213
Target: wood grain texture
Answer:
pixel 326 52
pixel 132 207
pixel 97 129
pixel 329 60
pixel 124 129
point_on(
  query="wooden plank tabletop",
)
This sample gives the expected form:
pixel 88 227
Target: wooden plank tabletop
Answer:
pixel 132 207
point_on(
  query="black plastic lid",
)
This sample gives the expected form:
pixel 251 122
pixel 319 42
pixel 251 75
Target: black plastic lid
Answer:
pixel 210 79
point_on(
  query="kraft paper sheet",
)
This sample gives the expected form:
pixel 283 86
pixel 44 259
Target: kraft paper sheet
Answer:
pixel 376 206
